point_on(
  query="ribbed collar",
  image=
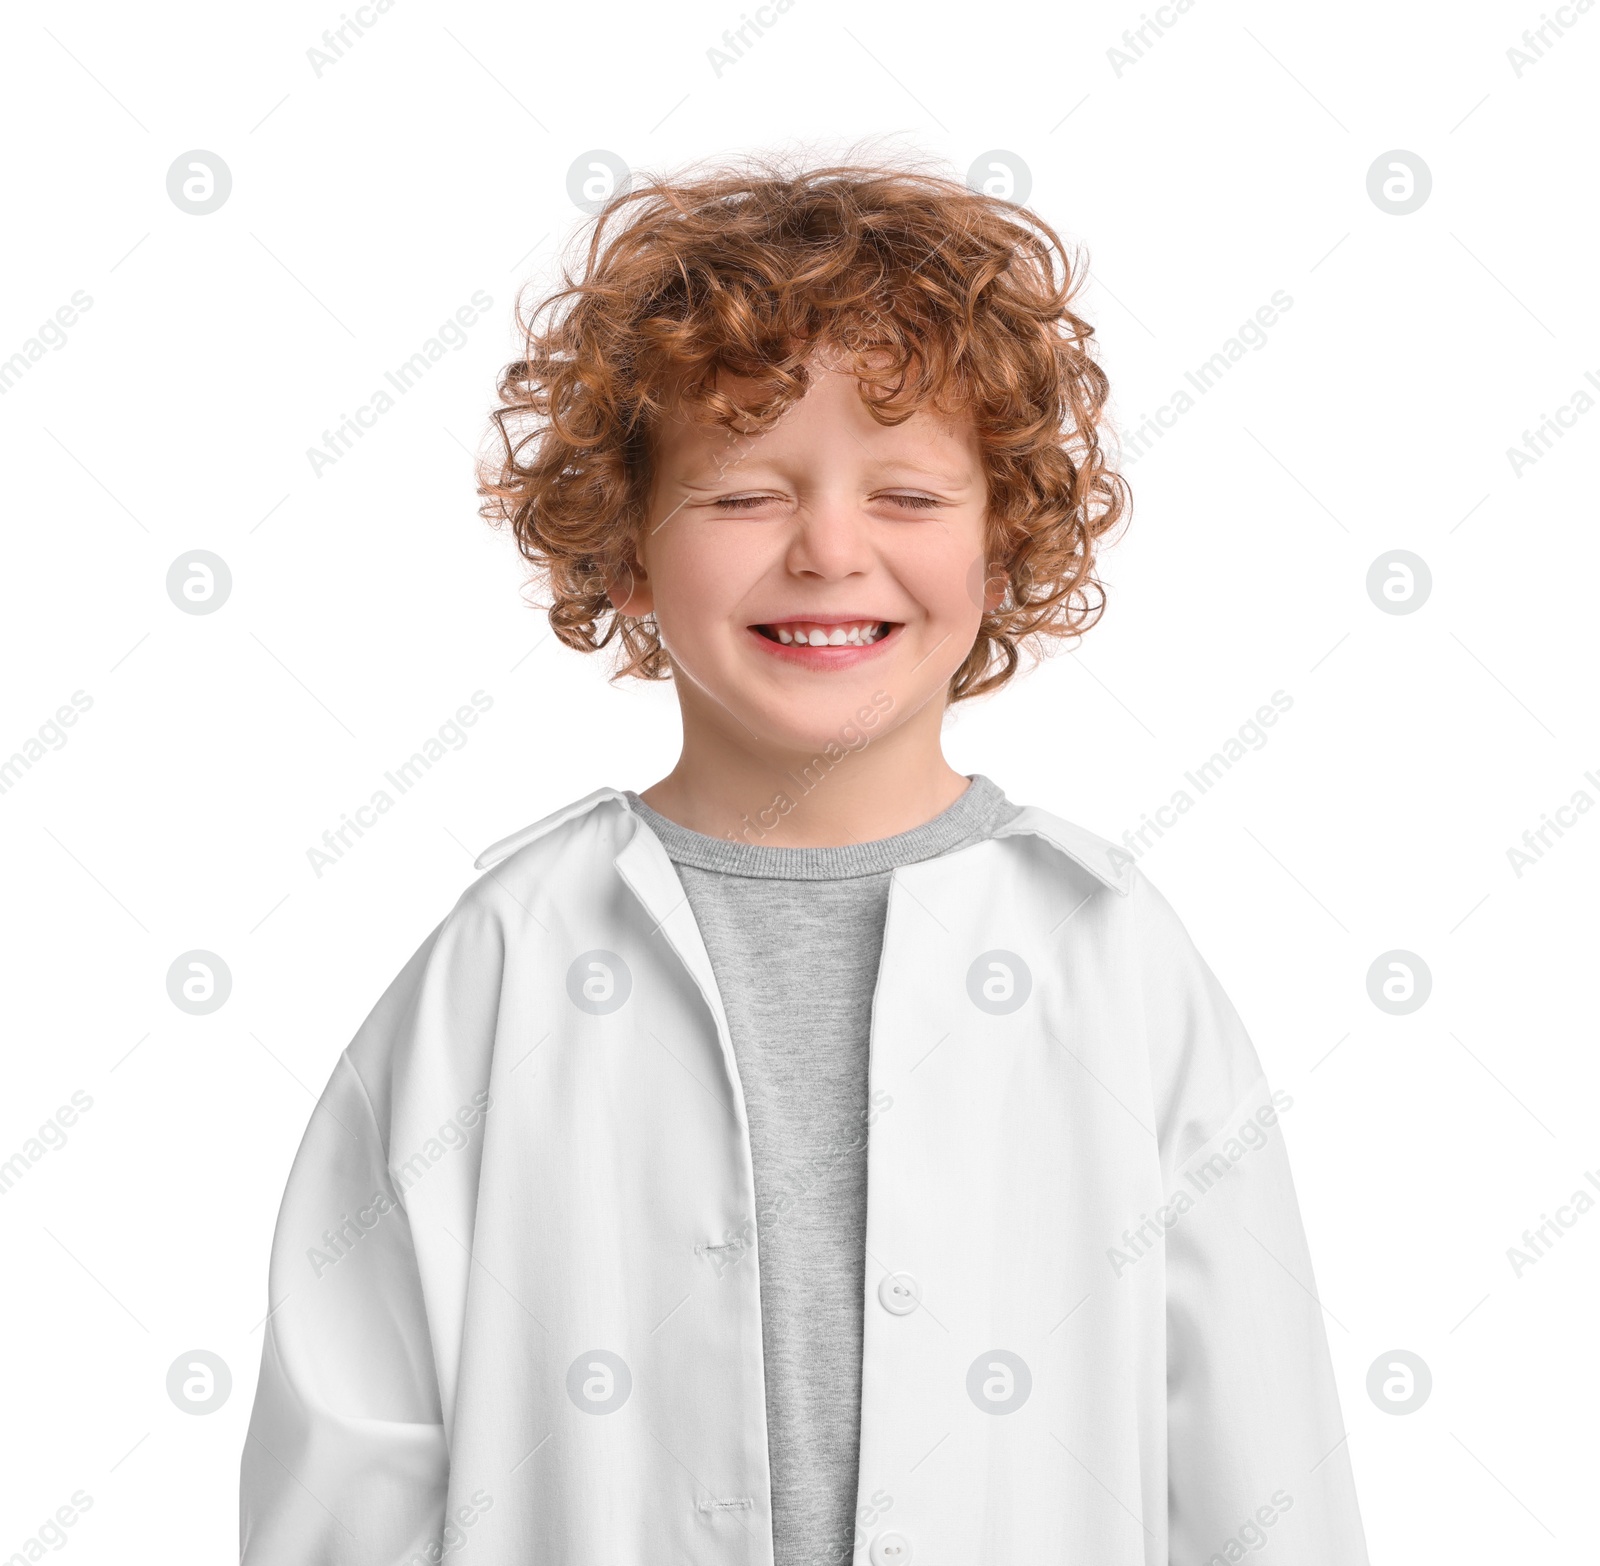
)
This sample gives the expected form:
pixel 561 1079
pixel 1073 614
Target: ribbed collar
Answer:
pixel 972 817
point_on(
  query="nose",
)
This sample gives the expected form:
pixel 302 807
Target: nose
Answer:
pixel 830 539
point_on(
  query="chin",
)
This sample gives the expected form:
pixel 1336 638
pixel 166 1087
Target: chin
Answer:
pixel 833 729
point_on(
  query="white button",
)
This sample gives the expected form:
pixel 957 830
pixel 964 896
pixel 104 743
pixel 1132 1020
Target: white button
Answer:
pixel 899 1294
pixel 890 1549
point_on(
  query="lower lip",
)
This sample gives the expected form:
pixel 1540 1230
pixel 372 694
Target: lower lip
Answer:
pixel 844 656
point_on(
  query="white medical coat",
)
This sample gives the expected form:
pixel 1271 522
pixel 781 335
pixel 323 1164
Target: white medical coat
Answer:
pixel 515 1309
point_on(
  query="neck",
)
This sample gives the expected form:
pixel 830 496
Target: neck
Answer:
pixel 851 788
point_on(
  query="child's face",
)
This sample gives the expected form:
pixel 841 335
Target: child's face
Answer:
pixel 828 527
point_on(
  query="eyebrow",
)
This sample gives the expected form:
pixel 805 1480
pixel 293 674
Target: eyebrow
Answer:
pixel 735 472
pixel 944 475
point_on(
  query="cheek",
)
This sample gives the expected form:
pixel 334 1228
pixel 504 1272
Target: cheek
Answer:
pixel 701 576
pixel 685 617
pixel 947 581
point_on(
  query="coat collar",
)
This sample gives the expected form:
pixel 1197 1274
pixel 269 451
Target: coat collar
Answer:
pixel 1108 864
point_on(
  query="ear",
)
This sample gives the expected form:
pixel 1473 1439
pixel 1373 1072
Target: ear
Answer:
pixel 996 584
pixel 629 590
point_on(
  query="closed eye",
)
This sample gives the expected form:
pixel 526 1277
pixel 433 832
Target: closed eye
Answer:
pixel 741 502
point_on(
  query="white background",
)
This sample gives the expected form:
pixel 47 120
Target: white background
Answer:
pixel 367 204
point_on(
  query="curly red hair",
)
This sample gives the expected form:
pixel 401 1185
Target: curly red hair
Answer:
pixel 940 295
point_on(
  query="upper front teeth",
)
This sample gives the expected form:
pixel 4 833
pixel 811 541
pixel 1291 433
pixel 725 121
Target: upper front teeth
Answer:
pixel 858 633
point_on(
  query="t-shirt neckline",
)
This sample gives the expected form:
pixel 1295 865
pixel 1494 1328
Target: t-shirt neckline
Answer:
pixel 966 819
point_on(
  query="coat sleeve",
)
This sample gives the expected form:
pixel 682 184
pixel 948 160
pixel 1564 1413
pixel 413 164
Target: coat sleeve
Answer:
pixel 345 1463
pixel 1256 1446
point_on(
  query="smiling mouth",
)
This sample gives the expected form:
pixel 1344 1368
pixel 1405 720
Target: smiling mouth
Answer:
pixel 812 633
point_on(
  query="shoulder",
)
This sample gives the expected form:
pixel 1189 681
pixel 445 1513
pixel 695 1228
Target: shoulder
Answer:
pixel 549 862
pixel 566 846
pixel 1110 873
pixel 1061 840
pixel 1201 1059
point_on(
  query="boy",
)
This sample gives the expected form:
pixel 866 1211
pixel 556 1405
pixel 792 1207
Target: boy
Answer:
pixel 816 1156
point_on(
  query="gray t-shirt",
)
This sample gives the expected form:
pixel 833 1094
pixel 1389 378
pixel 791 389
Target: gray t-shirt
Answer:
pixel 794 936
